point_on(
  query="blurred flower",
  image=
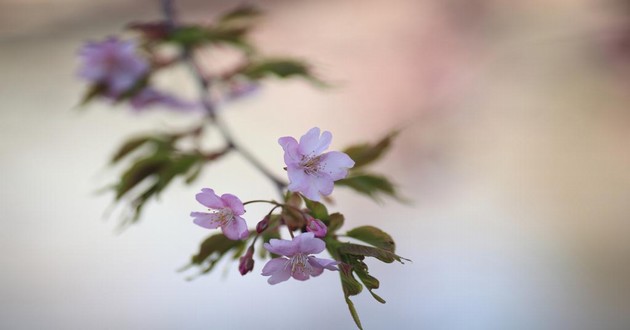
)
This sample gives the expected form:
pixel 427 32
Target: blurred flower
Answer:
pixel 113 63
pixel 316 227
pixel 311 172
pixel 149 97
pixel 300 265
pixel 228 207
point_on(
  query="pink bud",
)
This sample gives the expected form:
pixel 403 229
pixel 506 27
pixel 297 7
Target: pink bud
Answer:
pixel 262 225
pixel 316 227
pixel 246 262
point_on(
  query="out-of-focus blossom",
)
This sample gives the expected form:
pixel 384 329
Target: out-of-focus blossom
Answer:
pixel 316 227
pixel 298 262
pixel 113 63
pixel 149 97
pixel 311 172
pixel 227 216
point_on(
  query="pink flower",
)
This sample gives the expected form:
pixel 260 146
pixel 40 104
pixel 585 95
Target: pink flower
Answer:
pixel 299 264
pixel 113 63
pixel 316 227
pixel 227 216
pixel 312 172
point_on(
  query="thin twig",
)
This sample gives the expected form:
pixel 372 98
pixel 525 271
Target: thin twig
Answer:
pixel 204 85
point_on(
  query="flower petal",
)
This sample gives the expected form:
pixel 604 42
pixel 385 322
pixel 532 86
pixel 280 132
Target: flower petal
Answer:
pixel 310 188
pixel 336 164
pixel 274 265
pixel 323 263
pixel 278 269
pixel 325 184
pixel 208 198
pixel 312 144
pixel 316 269
pixel 279 276
pixel 290 147
pixel 236 229
pixel 308 244
pixel 282 247
pixel 298 179
pixel 234 203
pixel 300 275
pixel 206 220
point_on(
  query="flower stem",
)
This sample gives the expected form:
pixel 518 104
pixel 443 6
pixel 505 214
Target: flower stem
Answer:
pixel 204 85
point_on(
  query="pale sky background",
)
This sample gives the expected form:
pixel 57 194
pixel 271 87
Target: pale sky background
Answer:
pixel 514 154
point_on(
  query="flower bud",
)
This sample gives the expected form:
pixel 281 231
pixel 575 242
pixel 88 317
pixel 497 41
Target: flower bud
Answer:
pixel 262 225
pixel 316 227
pixel 246 262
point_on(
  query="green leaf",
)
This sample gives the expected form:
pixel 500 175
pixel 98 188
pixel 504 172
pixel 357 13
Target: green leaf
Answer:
pixel 350 287
pixel 189 36
pixel 370 282
pixel 212 249
pixel 370 185
pixel 335 221
pixel 318 210
pixel 366 153
pixel 129 147
pixel 373 236
pixel 239 13
pixel 92 92
pixel 177 166
pixel 353 312
pixel 280 68
pixel 139 171
pixel 369 251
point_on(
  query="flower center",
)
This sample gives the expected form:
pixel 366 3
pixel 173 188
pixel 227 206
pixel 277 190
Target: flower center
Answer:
pixel 225 215
pixel 299 264
pixel 311 165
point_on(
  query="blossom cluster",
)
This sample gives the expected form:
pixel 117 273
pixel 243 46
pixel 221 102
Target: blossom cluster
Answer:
pixel 120 70
pixel 311 173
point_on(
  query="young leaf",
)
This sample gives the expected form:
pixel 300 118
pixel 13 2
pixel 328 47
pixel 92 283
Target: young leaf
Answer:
pixel 318 210
pixel 370 282
pixel 366 153
pixel 139 171
pixel 239 13
pixel 353 312
pixel 350 287
pixel 212 249
pixel 373 236
pixel 370 185
pixel 368 251
pixel 281 68
pixel 92 92
pixel 129 146
pixel 335 221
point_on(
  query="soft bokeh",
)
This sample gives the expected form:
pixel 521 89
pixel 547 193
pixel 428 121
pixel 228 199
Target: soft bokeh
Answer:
pixel 514 155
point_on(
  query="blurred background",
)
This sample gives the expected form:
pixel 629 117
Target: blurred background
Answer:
pixel 514 154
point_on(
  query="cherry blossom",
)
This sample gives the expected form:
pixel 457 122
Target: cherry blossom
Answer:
pixel 113 63
pixel 298 262
pixel 311 172
pixel 227 216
